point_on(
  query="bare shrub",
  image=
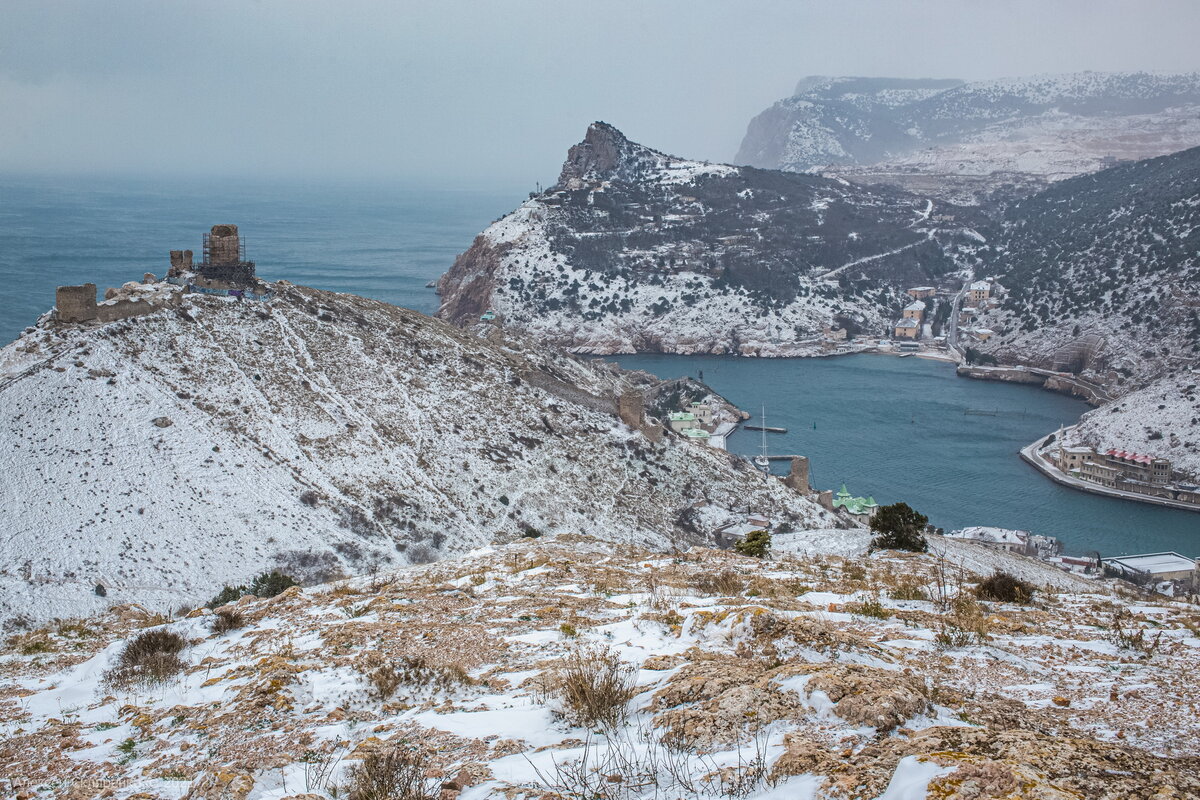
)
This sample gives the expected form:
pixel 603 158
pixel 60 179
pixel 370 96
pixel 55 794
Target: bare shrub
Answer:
pixel 1002 587
pixel 964 625
pixel 226 620
pixel 150 658
pixel 724 584
pixel 400 774
pixel 908 588
pixel 386 677
pixel 594 687
pixel 1123 635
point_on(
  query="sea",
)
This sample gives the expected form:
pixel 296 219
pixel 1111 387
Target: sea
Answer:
pixel 896 429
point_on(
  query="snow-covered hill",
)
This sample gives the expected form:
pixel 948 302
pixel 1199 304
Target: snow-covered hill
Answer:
pixel 635 250
pixel 975 138
pixel 166 455
pixel 820 677
pixel 1106 264
pixel 1161 419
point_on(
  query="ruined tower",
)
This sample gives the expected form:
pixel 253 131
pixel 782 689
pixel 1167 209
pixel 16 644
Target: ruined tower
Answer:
pixel 797 477
pixel 181 262
pixel 76 303
pixel 632 408
pixel 225 257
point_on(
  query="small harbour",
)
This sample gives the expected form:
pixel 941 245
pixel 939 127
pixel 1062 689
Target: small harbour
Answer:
pixel 911 430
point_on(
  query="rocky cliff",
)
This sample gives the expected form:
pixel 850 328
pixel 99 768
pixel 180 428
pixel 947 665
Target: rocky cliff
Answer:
pixel 162 456
pixel 637 250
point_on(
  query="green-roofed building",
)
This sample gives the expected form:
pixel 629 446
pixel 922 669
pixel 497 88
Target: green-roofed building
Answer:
pixel 681 421
pixel 862 507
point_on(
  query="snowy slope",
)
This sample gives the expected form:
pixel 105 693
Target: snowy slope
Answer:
pixel 1161 419
pixel 1111 256
pixel 166 455
pixel 786 678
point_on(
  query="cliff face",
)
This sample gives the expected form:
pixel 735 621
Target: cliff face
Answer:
pixel 637 250
pixel 320 433
pixel 970 142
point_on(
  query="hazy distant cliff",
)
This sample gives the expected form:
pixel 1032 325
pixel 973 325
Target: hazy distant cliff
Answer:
pixel 1016 131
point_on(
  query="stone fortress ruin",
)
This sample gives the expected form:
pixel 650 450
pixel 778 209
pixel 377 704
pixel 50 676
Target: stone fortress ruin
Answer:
pixel 224 270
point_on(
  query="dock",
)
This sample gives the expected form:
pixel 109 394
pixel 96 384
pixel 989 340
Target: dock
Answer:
pixel 766 428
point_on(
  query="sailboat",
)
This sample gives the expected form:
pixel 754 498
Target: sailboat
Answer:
pixel 761 459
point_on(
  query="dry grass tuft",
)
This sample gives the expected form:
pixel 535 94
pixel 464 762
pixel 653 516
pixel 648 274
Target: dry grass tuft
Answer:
pixel 1005 588
pixel 401 774
pixel 150 658
pixel 725 583
pixel 226 620
pixel 386 677
pixel 594 687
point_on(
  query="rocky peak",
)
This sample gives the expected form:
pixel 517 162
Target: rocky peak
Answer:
pixel 602 154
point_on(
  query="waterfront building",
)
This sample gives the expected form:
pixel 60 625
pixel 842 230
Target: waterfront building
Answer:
pixel 907 329
pixel 703 413
pixel 1168 566
pixel 1014 541
pixel 1124 470
pixel 695 434
pixel 861 508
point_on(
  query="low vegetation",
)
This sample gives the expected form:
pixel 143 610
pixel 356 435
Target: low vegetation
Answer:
pixel 756 544
pixel 226 620
pixel 266 584
pixel 594 687
pixel 400 774
pixel 1002 587
pixel 416 671
pixel 150 658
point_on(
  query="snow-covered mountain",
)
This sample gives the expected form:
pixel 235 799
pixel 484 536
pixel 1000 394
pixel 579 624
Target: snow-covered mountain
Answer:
pixel 165 455
pixel 967 141
pixel 636 250
pixel 1105 265
pixel 822 673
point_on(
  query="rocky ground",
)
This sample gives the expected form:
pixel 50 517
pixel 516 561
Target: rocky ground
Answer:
pixel 808 675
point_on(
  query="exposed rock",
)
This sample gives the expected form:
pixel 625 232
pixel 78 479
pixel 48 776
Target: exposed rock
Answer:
pixel 163 422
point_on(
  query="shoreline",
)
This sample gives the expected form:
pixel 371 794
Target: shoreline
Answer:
pixel 1031 457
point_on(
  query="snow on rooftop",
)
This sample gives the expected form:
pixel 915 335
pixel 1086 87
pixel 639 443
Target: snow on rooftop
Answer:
pixel 1155 563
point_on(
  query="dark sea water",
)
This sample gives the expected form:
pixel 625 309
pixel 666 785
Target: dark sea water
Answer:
pixel 892 428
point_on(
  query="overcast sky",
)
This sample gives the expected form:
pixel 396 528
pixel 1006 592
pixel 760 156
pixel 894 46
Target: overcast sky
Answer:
pixel 492 91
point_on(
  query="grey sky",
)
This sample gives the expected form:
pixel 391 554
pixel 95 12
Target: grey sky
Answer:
pixel 492 90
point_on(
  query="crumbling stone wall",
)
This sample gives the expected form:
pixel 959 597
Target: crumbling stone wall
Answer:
pixel 797 477
pixel 76 303
pixel 632 408
pixel 181 262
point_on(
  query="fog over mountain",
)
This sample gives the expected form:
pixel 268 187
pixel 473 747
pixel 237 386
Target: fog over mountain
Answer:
pixel 466 92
